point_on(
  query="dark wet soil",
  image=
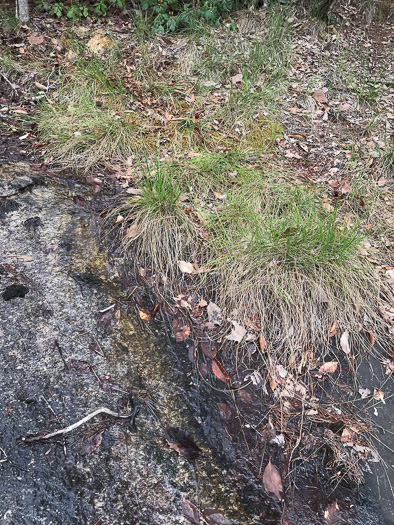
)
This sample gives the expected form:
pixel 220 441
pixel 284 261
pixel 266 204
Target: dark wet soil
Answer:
pixel 70 344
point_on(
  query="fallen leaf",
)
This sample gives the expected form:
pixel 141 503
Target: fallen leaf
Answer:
pixel 237 333
pixel 364 392
pixel 333 329
pixel 78 366
pixel 212 517
pixel 347 436
pixel 320 96
pixel 263 343
pixel 344 107
pixel 182 334
pixel 214 314
pixel 378 395
pixel 154 310
pixel 345 188
pixel 91 444
pixel 145 316
pixel 236 78
pixel 132 231
pixel 21 50
pixel 110 386
pixel 272 481
pixel 329 367
pixel 106 317
pixel 382 181
pixel 224 411
pixel 186 267
pixel 190 511
pixel 344 341
pixel 119 219
pixel 208 346
pixel 36 40
pixel 219 371
pixel 180 440
pixel 372 337
pixel 245 396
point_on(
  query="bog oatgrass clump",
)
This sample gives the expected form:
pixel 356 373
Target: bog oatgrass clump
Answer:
pixel 155 228
pixel 286 261
pixel 89 121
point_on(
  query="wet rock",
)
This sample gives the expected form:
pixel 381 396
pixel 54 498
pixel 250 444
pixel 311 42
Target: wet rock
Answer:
pixel 14 290
pixel 8 206
pixel 8 188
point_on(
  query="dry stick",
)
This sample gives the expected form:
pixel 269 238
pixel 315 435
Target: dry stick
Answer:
pixel 68 429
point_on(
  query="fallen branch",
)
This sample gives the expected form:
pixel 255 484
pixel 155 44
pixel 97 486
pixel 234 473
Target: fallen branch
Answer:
pixel 66 430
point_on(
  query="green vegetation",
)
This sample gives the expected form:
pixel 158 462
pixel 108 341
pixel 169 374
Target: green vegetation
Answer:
pixel 209 103
pixel 76 9
pixel 154 226
pixel 86 126
pixel 281 257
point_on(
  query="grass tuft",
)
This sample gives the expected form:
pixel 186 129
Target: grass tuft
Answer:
pixel 155 227
pixel 294 266
pixel 88 123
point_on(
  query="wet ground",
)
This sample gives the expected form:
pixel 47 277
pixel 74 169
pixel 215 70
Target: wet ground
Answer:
pixel 70 344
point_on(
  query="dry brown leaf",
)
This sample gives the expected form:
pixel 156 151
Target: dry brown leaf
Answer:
pixel 333 329
pixel 236 78
pixel 364 392
pixel 214 313
pixel 186 267
pixel 190 511
pixel 219 371
pixel 382 181
pixel 347 436
pixel 132 231
pixel 237 333
pixel 320 96
pixel 145 316
pixel 182 334
pixel 329 367
pixel 119 219
pixel 36 40
pixel 263 343
pixel 272 481
pixel 378 395
pixel 346 188
pixel 345 342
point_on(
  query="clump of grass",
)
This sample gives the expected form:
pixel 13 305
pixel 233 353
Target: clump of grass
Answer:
pixel 87 123
pixel 155 227
pixel 297 268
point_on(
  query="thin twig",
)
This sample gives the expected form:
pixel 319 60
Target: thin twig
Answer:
pixel 68 429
